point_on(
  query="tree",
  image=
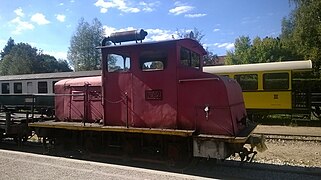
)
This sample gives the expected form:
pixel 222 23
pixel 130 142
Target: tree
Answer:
pixel 194 34
pixel 264 50
pixel 242 52
pixel 24 59
pixel 302 30
pixel 82 53
pixel 7 48
pixel 21 60
pixel 50 64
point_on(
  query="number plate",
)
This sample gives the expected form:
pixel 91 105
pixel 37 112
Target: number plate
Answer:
pixel 154 94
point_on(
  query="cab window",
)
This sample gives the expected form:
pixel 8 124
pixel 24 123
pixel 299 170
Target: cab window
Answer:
pixel 189 58
pixel 153 60
pixel 276 81
pixel 247 81
pixel 118 63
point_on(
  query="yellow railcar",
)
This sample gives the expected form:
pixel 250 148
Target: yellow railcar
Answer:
pixel 267 87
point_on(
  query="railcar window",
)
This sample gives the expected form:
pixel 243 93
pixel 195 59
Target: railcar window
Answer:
pixel 42 87
pixel 5 88
pixel 276 81
pixel 17 88
pixel 189 58
pixel 247 81
pixel 118 63
pixel 153 60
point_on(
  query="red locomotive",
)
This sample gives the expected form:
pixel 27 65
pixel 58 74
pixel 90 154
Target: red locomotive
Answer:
pixel 153 99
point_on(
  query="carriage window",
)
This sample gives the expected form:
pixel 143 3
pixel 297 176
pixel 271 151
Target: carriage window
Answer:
pixel 247 81
pixel 189 58
pixel 276 81
pixel 118 63
pixel 42 87
pixel 153 60
pixel 5 88
pixel 17 88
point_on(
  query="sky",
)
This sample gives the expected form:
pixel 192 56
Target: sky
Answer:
pixel 49 25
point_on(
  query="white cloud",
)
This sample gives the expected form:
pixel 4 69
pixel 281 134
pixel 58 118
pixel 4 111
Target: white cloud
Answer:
pixel 40 19
pixel 149 7
pixel 61 4
pixel 160 34
pixel 21 25
pixel 153 34
pixel 195 15
pixel 57 54
pixel 227 45
pixel 60 17
pixel 216 30
pixel 180 10
pixel 121 5
pixel 19 12
pixel 108 30
pixel 230 46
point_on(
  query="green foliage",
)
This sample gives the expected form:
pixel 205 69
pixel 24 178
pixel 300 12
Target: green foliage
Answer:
pixel 268 49
pixel 82 53
pixel 306 32
pixel 300 39
pixel 21 60
pixel 50 64
pixel 7 48
pixel 24 59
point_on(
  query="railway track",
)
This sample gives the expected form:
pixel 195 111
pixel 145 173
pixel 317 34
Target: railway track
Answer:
pixel 289 137
pixel 231 168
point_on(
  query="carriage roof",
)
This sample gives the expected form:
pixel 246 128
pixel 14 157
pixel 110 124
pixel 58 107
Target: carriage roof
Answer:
pixel 273 66
pixel 57 75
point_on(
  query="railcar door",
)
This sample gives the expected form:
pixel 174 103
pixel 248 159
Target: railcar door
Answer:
pixel 117 88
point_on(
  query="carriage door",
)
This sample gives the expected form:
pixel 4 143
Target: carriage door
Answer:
pixel 29 88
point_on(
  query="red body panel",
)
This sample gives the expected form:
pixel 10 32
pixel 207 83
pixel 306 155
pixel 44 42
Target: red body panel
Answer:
pixel 185 93
pixel 79 99
pixel 177 97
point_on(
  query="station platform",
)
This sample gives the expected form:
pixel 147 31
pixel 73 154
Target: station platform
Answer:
pixel 288 130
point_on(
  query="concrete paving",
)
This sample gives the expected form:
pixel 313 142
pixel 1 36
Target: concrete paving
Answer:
pixel 19 165
pixel 286 130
